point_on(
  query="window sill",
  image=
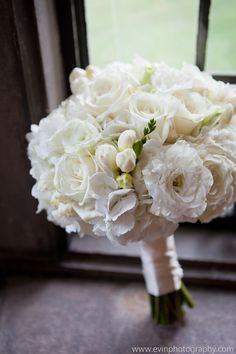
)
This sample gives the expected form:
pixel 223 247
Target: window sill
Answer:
pixel 206 257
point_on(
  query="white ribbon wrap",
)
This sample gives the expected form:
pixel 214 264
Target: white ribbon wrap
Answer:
pixel 161 269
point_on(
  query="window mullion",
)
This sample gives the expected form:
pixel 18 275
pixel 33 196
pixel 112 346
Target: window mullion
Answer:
pixel 78 7
pixel 203 19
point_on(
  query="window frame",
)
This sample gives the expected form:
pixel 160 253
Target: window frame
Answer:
pixel 61 257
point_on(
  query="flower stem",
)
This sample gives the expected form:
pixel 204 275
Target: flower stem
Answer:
pixel 166 309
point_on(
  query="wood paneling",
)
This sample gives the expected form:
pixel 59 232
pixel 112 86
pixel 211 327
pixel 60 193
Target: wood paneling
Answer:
pixel 22 101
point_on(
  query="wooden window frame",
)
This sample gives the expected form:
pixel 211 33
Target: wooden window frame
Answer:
pixel 62 256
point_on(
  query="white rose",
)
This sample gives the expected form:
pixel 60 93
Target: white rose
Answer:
pixel 127 139
pixel 72 173
pixel 40 134
pixel 223 141
pixel 105 157
pixel 44 189
pixel 61 210
pixel 220 92
pixel 223 192
pixel 65 216
pixel 126 160
pixel 178 182
pixel 193 109
pixel 233 120
pixel 199 79
pixel 140 67
pixel 74 108
pixel 145 106
pixel 109 93
pixel 75 135
pixel 121 122
pixel 170 80
pixel 216 91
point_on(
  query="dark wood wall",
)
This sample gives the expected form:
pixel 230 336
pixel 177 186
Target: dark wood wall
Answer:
pixel 22 101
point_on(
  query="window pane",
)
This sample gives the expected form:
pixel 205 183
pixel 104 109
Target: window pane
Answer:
pixel 154 29
pixel 221 47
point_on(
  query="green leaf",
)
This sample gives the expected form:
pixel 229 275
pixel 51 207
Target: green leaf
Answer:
pixel 147 77
pixel 151 125
pixel 138 147
pixel 144 140
pixel 145 131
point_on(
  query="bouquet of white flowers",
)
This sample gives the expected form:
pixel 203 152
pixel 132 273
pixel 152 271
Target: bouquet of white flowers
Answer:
pixel 134 151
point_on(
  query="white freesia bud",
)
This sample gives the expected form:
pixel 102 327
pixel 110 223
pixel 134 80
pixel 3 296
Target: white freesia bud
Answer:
pixel 126 160
pixel 76 73
pixel 89 72
pixel 127 139
pixel 105 157
pixel 78 81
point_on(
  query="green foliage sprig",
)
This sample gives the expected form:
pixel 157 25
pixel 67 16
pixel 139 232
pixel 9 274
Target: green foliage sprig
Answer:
pixel 138 145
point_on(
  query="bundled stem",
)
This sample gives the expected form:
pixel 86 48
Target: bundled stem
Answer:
pixel 167 309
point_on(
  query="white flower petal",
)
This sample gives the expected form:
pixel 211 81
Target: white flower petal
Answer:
pixel 101 185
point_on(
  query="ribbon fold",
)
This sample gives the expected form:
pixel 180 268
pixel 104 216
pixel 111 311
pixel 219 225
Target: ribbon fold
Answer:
pixel 161 269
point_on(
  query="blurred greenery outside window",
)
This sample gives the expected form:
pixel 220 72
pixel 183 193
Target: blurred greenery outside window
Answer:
pixel 160 30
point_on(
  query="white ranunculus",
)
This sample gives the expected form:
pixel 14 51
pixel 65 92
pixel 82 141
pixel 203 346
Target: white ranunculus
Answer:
pixel 127 139
pixel 145 106
pixel 109 93
pixel 72 174
pixel 105 157
pixel 223 192
pixel 74 136
pixel 126 160
pixel 178 182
